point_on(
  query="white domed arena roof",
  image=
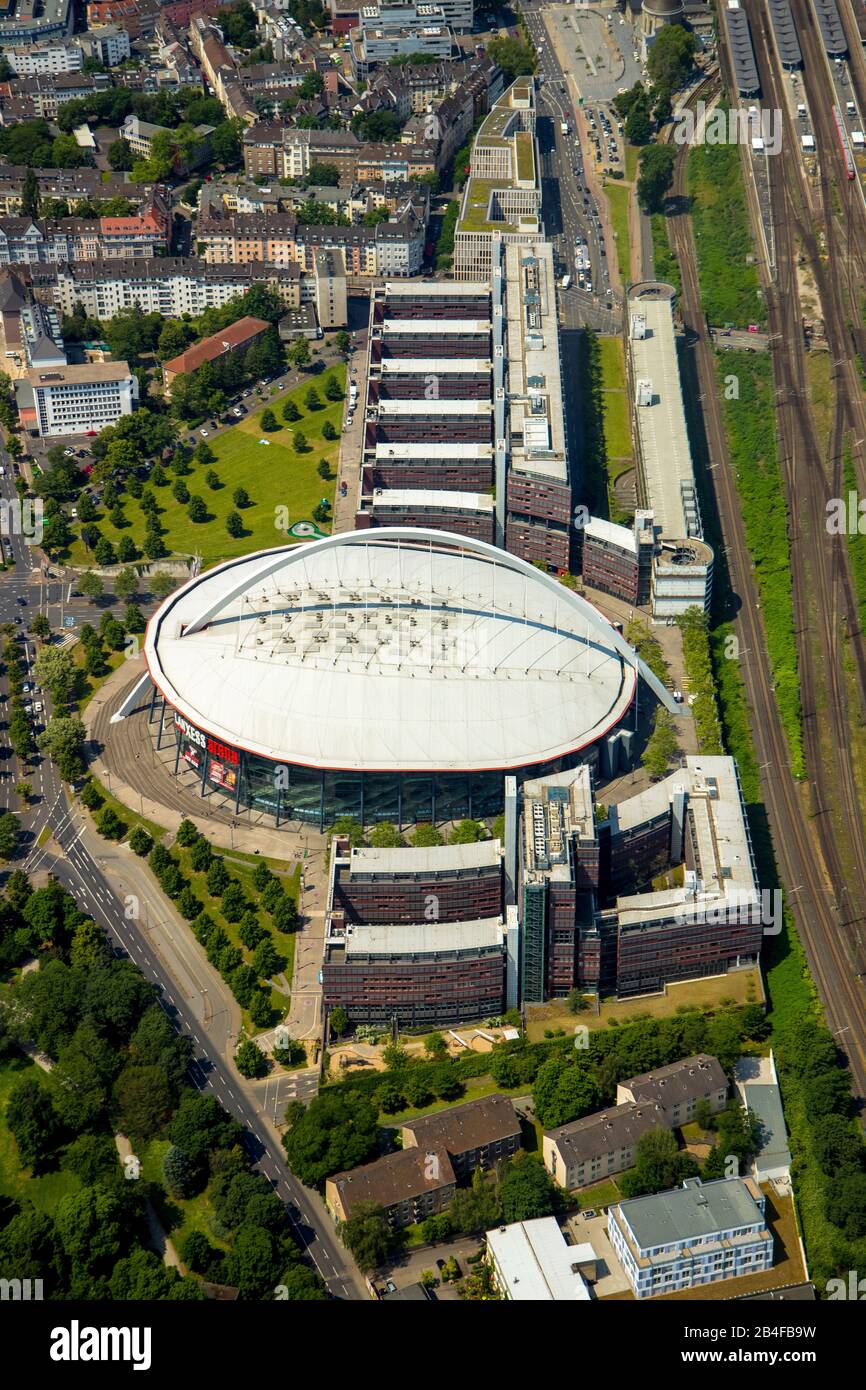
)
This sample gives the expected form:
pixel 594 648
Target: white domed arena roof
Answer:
pixel 390 649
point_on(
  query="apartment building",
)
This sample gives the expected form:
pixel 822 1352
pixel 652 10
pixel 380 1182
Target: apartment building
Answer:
pixel 140 136
pixel 169 285
pixel 53 56
pixel 70 184
pixel 75 399
pixel 502 196
pixel 237 337
pixel 602 1144
pixel 329 277
pixel 409 1185
pixel 679 1088
pixel 599 1145
pixel 698 1234
pixel 375 45
pixel 35 241
pixel 395 248
pixel 277 150
pixel 108 44
pixel 479 1134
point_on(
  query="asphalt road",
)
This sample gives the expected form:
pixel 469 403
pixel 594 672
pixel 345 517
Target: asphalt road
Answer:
pixel 569 205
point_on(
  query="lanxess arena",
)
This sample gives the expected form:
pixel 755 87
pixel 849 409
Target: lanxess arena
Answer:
pixel 391 674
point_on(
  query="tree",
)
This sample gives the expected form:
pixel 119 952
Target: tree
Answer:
pixel 174 338
pixel 467 832
pixel 290 411
pixel 312 399
pixel 563 1090
pixel 342 340
pixel 845 1203
pixel 143 1100
pixel 63 741
pixel 234 525
pixel 435 1045
pixel 638 126
pixel 385 835
pixel 299 442
pixel 125 583
pixel 161 584
pixel 120 155
pixel 90 585
pixel 133 618
pixel 333 389
pixel 324 469
pixel 656 174
pixel 33 1122
pixel 299 353
pixel 250 1060
pixel 10 833
pixel 212 480
pixel 241 498
pixel 197 510
pixel 368 1235
pixel 525 1190
pixel 445 1081
pixel 658 1165
pixel 516 59
pixel 30 198
pixel 338 1129
pixel 339 1021
pixel 328 431
pixel 269 422
pixel 671 57
pixel 90 1225
pixel 109 824
pixel 662 746
pixel 179 1173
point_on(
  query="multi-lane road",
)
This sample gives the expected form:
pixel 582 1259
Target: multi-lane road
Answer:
pixel 569 208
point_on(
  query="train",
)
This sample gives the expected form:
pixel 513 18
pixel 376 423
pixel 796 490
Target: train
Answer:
pixel 844 142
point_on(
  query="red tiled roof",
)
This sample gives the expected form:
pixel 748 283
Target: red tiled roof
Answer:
pixel 210 348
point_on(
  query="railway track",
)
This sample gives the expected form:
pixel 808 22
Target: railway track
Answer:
pixel 813 885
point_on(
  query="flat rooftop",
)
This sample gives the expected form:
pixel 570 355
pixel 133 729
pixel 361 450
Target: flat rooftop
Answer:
pixel 404 499
pixel 424 939
pixel 79 374
pixel 536 1265
pixel 534 374
pixel 664 443
pixel 430 859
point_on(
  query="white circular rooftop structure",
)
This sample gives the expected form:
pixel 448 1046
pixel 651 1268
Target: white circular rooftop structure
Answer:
pixel 392 649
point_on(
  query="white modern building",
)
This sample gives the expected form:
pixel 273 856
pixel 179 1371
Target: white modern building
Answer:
pixel 531 1263
pixel 697 1234
pixel 80 399
pixel 682 571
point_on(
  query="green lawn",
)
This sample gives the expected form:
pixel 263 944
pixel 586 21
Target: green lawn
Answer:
pixel 274 474
pixel 44 1191
pixel 617 424
pixel 618 196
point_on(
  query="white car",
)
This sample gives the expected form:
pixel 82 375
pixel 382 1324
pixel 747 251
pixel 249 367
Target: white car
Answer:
pixel 203 434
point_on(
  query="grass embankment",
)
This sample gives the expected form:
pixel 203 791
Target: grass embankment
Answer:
pixel 665 263
pixel 856 543
pixel 276 475
pixel 730 289
pixel 605 424
pixel 618 197
pixel 751 430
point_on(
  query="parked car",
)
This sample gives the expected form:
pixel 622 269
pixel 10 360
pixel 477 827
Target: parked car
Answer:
pixel 203 434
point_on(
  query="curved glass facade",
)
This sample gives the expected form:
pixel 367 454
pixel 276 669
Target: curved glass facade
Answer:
pixel 319 797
